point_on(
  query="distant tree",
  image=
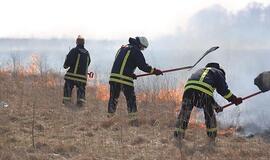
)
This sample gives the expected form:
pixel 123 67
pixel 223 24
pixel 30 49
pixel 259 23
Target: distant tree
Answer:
pixel 38 64
pixel 42 64
pixel 16 63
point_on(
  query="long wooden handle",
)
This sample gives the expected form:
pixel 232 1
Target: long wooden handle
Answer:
pixel 165 71
pixel 249 96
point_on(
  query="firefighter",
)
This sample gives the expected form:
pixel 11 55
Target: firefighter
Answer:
pixel 198 92
pixel 77 62
pixel 128 57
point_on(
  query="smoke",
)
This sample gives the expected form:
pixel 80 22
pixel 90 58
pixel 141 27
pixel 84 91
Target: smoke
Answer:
pixel 244 43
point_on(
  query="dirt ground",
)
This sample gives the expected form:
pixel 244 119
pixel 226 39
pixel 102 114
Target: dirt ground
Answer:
pixel 36 126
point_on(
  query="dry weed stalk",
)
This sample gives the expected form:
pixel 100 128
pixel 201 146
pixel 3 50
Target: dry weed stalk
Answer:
pixel 33 124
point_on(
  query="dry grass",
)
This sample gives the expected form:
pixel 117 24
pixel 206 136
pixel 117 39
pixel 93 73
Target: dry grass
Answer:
pixel 62 133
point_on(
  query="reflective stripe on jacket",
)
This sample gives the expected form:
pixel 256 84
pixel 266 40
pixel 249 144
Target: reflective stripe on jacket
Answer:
pixel 127 59
pixel 207 80
pixel 78 60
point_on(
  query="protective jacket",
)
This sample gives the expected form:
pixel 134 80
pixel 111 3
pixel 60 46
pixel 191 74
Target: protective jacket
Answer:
pixel 78 60
pixel 208 79
pixel 127 59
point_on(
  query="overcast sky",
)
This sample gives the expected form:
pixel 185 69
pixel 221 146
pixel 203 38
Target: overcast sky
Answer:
pixel 103 19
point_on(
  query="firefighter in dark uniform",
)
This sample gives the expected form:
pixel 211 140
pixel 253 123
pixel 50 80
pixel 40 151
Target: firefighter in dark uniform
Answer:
pixel 198 92
pixel 77 60
pixel 126 60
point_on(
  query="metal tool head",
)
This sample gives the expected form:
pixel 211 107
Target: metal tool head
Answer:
pixel 263 81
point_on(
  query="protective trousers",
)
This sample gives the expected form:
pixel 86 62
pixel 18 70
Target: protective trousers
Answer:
pixel 68 87
pixel 201 100
pixel 115 89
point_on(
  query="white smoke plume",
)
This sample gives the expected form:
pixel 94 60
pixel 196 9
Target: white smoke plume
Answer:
pixel 244 52
pixel 244 43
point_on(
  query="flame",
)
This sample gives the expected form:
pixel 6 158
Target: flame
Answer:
pixel 4 73
pixel 142 96
pixel 163 95
pixel 33 68
pixel 102 92
pixel 171 94
pixel 34 65
pixel 195 124
pixel 175 95
pixel 51 81
pixel 194 121
pixel 227 132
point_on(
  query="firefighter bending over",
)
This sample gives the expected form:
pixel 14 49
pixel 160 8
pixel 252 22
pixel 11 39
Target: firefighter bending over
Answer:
pixel 198 92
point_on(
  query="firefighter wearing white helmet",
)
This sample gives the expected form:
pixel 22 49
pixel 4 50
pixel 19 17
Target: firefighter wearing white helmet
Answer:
pixel 127 59
pixel 143 42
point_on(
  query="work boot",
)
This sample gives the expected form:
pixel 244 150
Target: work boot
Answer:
pixel 179 135
pixel 80 102
pixel 133 121
pixel 179 138
pixel 66 103
pixel 110 115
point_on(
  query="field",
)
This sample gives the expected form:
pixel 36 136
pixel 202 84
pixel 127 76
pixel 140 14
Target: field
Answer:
pixel 36 126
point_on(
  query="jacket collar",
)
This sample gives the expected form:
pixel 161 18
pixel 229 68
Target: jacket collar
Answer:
pixel 80 46
pixel 133 42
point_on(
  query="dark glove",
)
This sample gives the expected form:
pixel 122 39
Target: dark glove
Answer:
pixel 157 72
pixel 134 76
pixel 218 109
pixel 237 100
pixel 91 74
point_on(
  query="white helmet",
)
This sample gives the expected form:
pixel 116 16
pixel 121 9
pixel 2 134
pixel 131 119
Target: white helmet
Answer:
pixel 143 41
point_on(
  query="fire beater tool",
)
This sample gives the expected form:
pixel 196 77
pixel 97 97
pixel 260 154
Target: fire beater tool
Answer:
pixel 263 83
pixel 186 67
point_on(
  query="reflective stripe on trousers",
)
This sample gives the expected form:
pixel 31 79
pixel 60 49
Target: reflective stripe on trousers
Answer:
pixel 68 87
pixel 195 98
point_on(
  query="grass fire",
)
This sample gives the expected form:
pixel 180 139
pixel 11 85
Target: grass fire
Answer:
pixel 36 125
